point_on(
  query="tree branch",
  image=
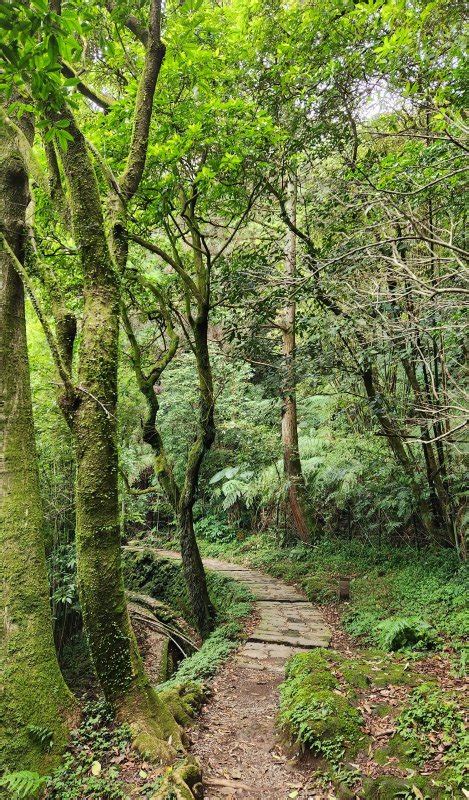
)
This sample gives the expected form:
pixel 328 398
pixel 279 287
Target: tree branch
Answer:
pixel 155 50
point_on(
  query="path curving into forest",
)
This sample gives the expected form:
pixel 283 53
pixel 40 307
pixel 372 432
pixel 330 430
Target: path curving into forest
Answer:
pixel 236 739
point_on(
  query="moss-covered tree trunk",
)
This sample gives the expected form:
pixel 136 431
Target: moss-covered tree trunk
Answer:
pixel 94 424
pixel 33 693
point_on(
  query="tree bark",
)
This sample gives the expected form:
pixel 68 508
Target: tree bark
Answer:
pixel 297 498
pixel 194 572
pixel 94 424
pixel 182 500
pixel 33 689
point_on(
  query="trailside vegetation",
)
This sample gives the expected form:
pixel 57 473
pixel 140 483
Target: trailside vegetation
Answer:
pixel 233 285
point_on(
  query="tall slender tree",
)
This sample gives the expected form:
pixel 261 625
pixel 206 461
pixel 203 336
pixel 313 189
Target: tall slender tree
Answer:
pixel 33 693
pixel 297 496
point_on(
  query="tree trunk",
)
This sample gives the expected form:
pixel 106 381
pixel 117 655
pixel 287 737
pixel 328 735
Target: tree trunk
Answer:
pixel 297 497
pixel 194 572
pixel 94 423
pixel 33 689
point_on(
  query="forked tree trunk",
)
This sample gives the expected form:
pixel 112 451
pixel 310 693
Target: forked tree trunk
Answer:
pixel 297 497
pixel 33 692
pixel 182 500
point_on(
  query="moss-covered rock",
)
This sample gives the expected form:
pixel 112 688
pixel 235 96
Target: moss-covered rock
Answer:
pixel 314 712
pixel 319 697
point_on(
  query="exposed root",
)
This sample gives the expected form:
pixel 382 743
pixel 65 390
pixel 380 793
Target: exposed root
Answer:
pixel 183 700
pixel 156 720
pixel 155 732
pixel 182 782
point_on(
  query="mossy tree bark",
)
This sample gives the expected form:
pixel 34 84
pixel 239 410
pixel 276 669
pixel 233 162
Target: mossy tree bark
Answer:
pixel 94 424
pixel 33 693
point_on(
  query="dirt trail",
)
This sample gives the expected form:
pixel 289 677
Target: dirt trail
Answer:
pixel 236 739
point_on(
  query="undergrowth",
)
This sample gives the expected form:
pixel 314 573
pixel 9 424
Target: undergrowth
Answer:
pixel 91 767
pixel 388 584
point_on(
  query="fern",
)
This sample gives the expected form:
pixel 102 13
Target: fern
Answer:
pixel 397 633
pixel 23 784
pixel 42 735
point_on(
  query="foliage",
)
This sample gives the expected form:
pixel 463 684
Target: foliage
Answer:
pixel 397 633
pixel 89 768
pixel 163 579
pixel 23 784
pixel 205 662
pixel 212 529
pixel 431 711
pixel 362 103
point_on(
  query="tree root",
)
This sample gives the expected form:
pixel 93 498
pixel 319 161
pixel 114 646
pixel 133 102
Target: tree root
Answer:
pixel 183 700
pixel 157 734
pixel 182 782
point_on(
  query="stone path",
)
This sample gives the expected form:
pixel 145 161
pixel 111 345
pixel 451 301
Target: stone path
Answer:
pixel 236 738
pixel 288 622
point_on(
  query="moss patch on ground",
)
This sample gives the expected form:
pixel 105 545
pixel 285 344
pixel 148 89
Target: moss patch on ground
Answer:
pixel 319 695
pixel 314 712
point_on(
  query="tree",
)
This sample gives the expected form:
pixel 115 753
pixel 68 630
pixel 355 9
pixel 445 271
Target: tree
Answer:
pixel 291 455
pixel 34 697
pixel 89 400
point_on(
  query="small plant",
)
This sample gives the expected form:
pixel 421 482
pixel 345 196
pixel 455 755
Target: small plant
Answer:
pixel 87 769
pixel 433 721
pixel 397 633
pixel 234 484
pixel 212 530
pixel 23 784
pixel 42 735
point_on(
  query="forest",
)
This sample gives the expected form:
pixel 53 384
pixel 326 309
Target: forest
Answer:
pixel 233 400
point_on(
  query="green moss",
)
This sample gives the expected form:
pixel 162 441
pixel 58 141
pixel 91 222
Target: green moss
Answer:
pixel 320 588
pixel 383 709
pixel 381 756
pixel 378 670
pixel 388 787
pixel 409 752
pixel 312 711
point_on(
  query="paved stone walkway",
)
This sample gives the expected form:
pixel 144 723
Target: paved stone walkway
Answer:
pixel 288 622
pixel 236 738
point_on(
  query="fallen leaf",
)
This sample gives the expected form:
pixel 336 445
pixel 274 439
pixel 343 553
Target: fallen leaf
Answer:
pixel 143 774
pixel 417 792
pixel 96 768
pixel 294 793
